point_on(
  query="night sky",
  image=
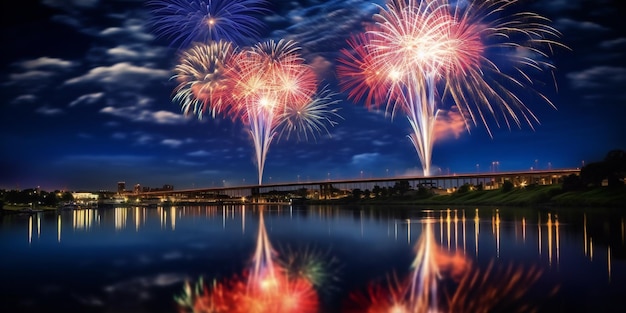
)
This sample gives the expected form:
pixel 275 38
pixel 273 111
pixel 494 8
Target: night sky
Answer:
pixel 87 101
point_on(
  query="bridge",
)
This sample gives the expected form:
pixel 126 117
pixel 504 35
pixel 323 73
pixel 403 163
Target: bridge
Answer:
pixel 329 189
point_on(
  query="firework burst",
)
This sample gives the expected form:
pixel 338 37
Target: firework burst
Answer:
pixel 420 53
pixel 274 87
pixel 188 21
pixel 202 81
pixel 268 87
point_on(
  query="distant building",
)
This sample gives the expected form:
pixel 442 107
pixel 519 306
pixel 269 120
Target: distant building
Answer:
pixel 121 187
pixel 85 198
pixel 137 188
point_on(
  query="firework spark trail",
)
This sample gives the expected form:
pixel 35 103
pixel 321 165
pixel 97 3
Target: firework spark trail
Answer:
pixel 424 282
pixel 419 53
pixel 264 254
pixel 202 81
pixel 189 21
pixel 268 87
pixel 274 88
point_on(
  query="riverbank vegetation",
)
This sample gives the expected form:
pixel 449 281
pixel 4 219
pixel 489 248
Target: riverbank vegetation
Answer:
pixel 535 196
pixel 600 184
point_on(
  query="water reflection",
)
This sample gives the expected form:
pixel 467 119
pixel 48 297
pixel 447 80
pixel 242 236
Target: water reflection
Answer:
pixel 548 226
pixel 437 260
pixel 443 279
pixel 266 286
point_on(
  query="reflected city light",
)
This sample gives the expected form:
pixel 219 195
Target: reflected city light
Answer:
pixel 549 226
pixel 137 219
pixel 121 215
pixel 173 217
pixel 476 229
pixel 608 257
pixel 539 237
pixel 59 228
pixel 30 229
pixel 496 222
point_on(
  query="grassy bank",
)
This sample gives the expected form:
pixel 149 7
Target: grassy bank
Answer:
pixel 535 196
pixel 17 208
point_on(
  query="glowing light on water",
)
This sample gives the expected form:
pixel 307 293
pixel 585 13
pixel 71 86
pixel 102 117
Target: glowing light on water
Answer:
pixel 444 281
pixel 420 54
pixel 268 285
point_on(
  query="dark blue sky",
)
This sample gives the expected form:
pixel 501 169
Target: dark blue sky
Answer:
pixel 87 102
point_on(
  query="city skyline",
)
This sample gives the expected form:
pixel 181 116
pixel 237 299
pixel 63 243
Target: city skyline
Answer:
pixel 87 102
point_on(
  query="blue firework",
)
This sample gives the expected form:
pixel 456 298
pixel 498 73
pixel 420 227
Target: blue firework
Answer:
pixel 188 21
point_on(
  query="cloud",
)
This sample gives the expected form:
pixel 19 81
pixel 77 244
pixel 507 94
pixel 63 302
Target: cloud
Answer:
pixel 575 27
pixel 199 153
pixel 598 77
pixel 132 29
pixel 87 99
pixel 144 139
pixel 24 99
pixel 118 135
pixel 600 82
pixel 30 78
pixel 45 110
pixel 109 159
pixel 365 158
pixel 323 27
pixel 449 123
pixel 556 6
pixel 172 143
pixel 47 63
pixel 618 43
pixel 137 115
pixel 187 163
pixel 70 4
pixel 121 76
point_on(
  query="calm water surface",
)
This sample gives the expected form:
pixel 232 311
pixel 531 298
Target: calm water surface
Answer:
pixel 138 259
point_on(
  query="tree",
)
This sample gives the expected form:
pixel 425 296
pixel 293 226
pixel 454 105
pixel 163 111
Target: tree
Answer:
pixel 616 167
pixel 572 182
pixel 464 189
pixel 507 186
pixel 592 174
pixel 401 187
pixel 377 191
pixel 612 168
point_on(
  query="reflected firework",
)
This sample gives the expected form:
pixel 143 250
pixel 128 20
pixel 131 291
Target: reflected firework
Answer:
pixel 188 21
pixel 419 54
pixel 265 287
pixel 318 267
pixel 441 281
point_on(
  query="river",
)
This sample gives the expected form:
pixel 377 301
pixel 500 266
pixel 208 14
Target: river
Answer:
pixel 330 258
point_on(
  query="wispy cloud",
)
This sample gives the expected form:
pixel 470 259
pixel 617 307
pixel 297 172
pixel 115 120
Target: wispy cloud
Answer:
pixel 121 76
pixel 600 82
pixel 87 99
